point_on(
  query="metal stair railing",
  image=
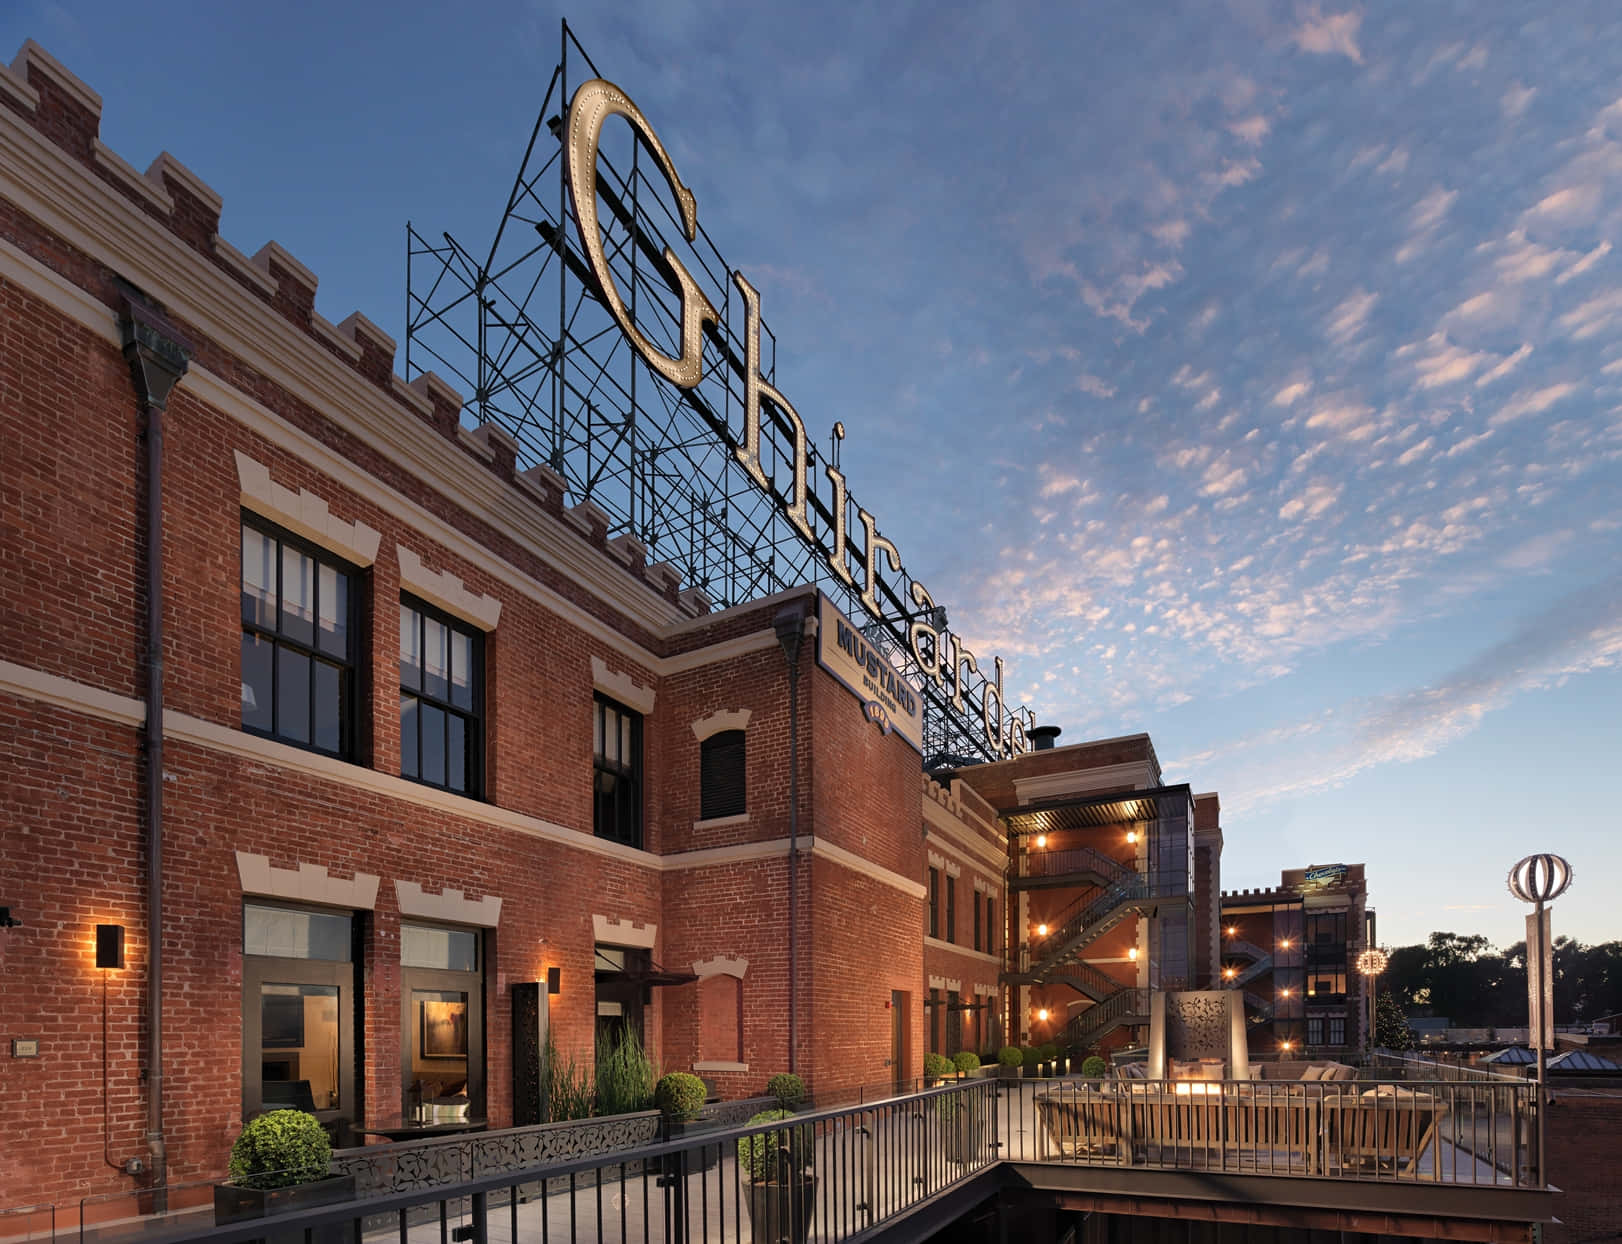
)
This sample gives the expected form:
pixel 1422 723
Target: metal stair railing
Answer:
pixel 1084 978
pixel 1249 950
pixel 1086 919
pixel 1072 860
pixel 1098 1019
pixel 1258 968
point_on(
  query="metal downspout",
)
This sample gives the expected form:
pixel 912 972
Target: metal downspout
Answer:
pixel 157 357
pixel 790 626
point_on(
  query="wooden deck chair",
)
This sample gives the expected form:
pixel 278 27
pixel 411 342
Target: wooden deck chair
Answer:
pixel 1387 1128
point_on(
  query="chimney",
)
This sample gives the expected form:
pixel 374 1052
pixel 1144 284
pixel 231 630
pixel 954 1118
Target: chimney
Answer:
pixel 1042 737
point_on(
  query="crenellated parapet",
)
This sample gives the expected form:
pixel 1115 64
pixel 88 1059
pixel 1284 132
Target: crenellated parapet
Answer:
pixel 56 104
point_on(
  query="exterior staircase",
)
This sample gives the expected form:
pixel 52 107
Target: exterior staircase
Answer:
pixel 1124 1006
pixel 1087 919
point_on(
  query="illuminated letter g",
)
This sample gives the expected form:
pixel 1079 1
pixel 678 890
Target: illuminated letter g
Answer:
pixel 593 104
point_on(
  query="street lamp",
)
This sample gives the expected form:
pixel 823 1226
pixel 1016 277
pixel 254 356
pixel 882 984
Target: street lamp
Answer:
pixel 1540 879
pixel 1371 963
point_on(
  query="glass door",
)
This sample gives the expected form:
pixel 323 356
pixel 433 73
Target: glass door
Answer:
pixel 442 1025
pixel 298 1015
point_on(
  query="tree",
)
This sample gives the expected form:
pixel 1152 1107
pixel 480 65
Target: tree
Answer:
pixel 1390 1025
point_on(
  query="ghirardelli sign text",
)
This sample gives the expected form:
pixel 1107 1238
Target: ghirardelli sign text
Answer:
pixel 938 652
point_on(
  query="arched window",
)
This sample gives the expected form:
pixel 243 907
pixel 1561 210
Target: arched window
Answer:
pixel 721 775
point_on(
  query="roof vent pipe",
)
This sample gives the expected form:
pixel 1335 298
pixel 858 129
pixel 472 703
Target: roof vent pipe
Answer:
pixel 1042 737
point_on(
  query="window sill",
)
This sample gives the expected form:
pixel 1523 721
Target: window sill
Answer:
pixel 721 822
pixel 713 1066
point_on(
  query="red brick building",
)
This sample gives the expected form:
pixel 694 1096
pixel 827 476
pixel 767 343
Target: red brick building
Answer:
pixel 423 746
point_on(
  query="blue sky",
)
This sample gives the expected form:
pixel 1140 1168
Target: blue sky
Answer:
pixel 1247 373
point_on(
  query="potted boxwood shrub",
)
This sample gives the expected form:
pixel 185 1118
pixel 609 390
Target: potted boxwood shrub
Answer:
pixel 679 1096
pixel 937 1067
pixel 1009 1061
pixel 965 1061
pixel 1094 1067
pixel 781 1190
pixel 788 1088
pixel 282 1162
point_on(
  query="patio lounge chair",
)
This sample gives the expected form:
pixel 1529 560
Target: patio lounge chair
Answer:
pixel 1384 1128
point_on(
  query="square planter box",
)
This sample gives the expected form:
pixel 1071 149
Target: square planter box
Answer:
pixel 234 1204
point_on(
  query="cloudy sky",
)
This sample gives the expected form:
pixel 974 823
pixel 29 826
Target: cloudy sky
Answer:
pixel 1247 373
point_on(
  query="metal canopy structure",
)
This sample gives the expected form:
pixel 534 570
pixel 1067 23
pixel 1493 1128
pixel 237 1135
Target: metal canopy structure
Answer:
pixel 522 326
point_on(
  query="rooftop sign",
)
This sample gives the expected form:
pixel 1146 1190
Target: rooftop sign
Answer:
pixel 816 505
pixel 606 334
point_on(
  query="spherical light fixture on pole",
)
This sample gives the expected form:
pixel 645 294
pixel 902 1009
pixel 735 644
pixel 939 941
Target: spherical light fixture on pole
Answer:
pixel 1539 880
pixel 1371 963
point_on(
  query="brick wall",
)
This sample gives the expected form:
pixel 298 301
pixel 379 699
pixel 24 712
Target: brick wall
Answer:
pixel 1584 1133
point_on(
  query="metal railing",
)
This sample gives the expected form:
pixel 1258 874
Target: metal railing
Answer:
pixel 1087 918
pixel 870 1166
pixel 1084 1028
pixel 1086 979
pixel 1071 860
pixel 863 1167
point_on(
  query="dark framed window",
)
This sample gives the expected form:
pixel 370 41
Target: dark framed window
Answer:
pixel 934 904
pixel 954 1023
pixel 1315 1031
pixel 933 1006
pixel 721 775
pixel 977 934
pixel 441 699
pixel 951 909
pixel 617 776
pixel 991 937
pixel 299 638
pixel 1337 1030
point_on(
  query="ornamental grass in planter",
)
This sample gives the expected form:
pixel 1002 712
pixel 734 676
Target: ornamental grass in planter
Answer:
pixel 281 1163
pixel 779 1187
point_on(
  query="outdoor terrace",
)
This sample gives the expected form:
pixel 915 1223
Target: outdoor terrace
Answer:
pixel 1452 1159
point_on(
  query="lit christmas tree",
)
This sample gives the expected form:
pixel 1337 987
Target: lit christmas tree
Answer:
pixel 1390 1025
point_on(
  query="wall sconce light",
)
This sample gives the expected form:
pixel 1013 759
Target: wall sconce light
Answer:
pixel 1284 993
pixel 1042 1015
pixel 1233 931
pixel 1285 944
pixel 1041 840
pixel 1131 835
pixel 109 946
pixel 1230 973
pixel 1132 953
pixel 554 978
pixel 1285 1046
pixel 1041 930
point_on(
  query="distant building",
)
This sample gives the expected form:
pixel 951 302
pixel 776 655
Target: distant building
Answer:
pixel 1293 950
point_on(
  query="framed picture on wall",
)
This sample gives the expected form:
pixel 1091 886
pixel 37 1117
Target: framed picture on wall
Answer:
pixel 444 1030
